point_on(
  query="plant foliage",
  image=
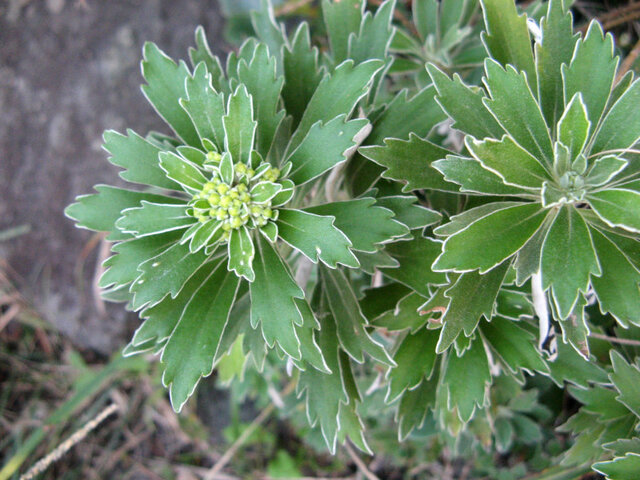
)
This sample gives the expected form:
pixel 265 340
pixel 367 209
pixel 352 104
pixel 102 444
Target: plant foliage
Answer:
pixel 291 218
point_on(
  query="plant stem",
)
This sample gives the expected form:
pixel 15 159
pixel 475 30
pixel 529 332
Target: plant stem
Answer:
pixel 622 341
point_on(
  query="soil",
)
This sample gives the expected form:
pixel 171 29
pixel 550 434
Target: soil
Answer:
pixel 69 69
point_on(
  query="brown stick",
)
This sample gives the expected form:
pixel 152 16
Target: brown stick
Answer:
pixel 614 15
pixel 359 463
pixel 628 61
pixel 622 341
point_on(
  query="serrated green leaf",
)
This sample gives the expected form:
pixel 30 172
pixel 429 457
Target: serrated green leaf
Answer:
pixel 571 367
pixel 617 207
pixel 165 274
pixel 410 162
pixel 193 345
pixel 273 294
pixel 507 88
pixel 405 315
pixel 574 126
pixel 205 106
pixel 623 446
pixel 620 468
pixel 402 117
pixel 503 434
pixel 161 319
pixel 301 72
pixel 165 87
pixel 617 287
pixel 415 257
pixel 568 259
pixel 138 157
pixel 264 85
pixel 316 237
pixel 241 253
pixel 341 19
pixel 153 218
pixel 202 53
pixel 464 105
pixel 337 94
pixel 352 427
pixel 369 262
pixel 415 359
pixel 509 161
pixel 100 211
pixel 122 268
pixel 414 406
pixel 472 177
pixel 466 378
pixel 464 219
pixel 182 171
pixel 378 300
pixel 487 242
pixel 266 28
pixel 472 296
pixel 325 392
pixel 515 346
pixel 409 212
pixel 374 35
pixel 350 322
pixel 325 146
pixel 507 37
pixel 591 71
pixel 599 401
pixel 309 348
pixel 620 127
pixel 556 48
pixel 626 380
pixel 239 126
pixel 363 222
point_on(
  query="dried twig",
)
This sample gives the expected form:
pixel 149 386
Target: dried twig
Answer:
pixel 622 341
pixel 65 446
pixel 362 467
pixel 628 61
pixel 613 17
pixel 259 420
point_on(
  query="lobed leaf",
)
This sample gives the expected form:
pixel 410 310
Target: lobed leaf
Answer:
pixel 165 87
pixel 193 344
pixel 316 237
pixel 273 306
pixel 363 222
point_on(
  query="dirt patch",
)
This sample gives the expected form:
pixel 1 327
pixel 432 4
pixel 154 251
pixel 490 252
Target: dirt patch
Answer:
pixel 68 71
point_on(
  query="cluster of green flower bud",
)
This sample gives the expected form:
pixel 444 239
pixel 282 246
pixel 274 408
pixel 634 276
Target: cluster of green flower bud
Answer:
pixel 233 204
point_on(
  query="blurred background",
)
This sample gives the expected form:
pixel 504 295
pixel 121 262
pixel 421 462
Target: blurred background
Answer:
pixel 69 69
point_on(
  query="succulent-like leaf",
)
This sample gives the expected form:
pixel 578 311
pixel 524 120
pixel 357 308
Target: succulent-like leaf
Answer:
pixel 350 322
pixel 591 72
pixel 239 126
pixel 487 242
pixel 626 380
pixel 409 212
pixel 205 106
pixel 342 19
pixel 316 237
pixel 618 207
pixel 410 162
pixel 415 257
pixel 364 223
pixel 194 342
pixel 568 259
pixel 472 177
pixel 138 157
pixel 471 297
pixel 620 127
pixel 325 146
pixel 415 359
pixel 165 87
pixel 154 218
pixel 466 378
pixel 241 253
pixel 165 274
pixel 273 293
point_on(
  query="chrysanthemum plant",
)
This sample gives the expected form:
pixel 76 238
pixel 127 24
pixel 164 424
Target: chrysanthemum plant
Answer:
pixel 293 179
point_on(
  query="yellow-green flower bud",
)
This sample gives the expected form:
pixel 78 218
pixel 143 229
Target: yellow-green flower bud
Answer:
pixel 226 226
pixel 222 188
pixel 225 202
pixel 236 222
pixel 213 157
pixel 214 199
